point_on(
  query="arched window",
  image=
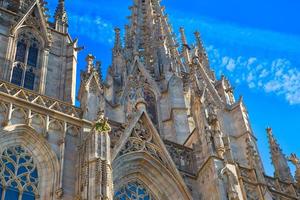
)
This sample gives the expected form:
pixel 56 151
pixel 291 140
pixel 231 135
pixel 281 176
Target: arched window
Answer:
pixel 27 55
pixel 21 51
pixel 18 175
pixel 17 75
pixel 133 191
pixel 151 105
pixel 33 54
pixel 29 80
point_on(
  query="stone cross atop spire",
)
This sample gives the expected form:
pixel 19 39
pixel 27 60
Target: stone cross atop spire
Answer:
pixel 282 170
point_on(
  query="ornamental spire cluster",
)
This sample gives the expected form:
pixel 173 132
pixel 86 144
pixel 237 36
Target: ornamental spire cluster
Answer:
pixel 61 18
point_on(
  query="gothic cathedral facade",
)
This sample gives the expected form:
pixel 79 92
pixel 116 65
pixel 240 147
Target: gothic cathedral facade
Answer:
pixel 161 126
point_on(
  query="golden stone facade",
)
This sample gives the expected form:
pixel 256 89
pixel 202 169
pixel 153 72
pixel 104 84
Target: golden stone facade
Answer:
pixel 161 126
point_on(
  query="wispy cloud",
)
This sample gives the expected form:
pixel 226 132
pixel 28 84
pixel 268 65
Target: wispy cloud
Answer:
pixel 264 60
pixel 95 28
pixel 276 76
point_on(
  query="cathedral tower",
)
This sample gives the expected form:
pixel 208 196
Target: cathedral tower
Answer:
pixel 160 126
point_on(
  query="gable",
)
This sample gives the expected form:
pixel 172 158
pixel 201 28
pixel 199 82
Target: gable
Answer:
pixel 139 76
pixel 36 19
pixel 141 140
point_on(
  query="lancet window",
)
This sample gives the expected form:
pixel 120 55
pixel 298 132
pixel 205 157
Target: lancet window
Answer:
pixel 26 61
pixel 18 175
pixel 133 191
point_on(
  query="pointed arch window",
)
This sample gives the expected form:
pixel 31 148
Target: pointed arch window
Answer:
pixel 21 51
pixel 29 79
pixel 33 55
pixel 18 175
pixel 133 191
pixel 27 56
pixel 17 75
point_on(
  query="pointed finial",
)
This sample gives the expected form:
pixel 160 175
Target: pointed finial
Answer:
pixel 90 62
pixel 61 19
pixel 183 37
pixel 280 162
pixel 269 130
pixel 98 67
pixel 296 162
pixel 118 44
pixel 199 41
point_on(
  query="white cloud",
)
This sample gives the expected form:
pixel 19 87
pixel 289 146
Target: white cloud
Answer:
pixel 95 28
pixel 277 76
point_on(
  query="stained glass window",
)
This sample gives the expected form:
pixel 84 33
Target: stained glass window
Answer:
pixel 29 80
pixel 33 55
pixel 151 105
pixel 18 174
pixel 21 51
pixel 133 191
pixel 17 75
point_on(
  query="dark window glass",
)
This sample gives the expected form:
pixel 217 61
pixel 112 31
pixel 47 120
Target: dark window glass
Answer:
pixel 21 51
pixel 27 196
pixel 29 80
pixel 32 56
pixel 17 75
pixel 11 194
pixel 1 190
pixel 133 191
pixel 18 171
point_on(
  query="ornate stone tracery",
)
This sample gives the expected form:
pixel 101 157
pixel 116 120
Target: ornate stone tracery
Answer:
pixel 133 190
pixel 18 172
pixel 141 140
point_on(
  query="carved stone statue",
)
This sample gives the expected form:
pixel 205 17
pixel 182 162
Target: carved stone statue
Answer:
pixel 295 160
pixel 102 125
pixel 231 183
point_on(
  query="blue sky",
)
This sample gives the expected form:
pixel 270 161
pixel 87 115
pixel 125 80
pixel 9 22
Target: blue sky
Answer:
pixel 255 43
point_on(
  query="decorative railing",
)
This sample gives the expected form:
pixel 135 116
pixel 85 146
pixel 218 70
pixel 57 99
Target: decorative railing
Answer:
pixel 182 156
pixel 279 189
pixel 39 100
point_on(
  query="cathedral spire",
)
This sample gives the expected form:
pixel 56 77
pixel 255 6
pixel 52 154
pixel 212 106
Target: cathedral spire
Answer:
pixel 282 170
pixel 185 47
pixel 61 19
pixel 118 45
pixel 200 47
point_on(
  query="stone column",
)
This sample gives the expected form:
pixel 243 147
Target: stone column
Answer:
pixel 44 71
pixel 99 175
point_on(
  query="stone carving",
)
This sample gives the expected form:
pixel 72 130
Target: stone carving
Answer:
pixel 231 183
pixel 251 192
pixel 204 108
pixel 136 86
pixel 18 171
pixel 141 140
pixel 212 119
pixel 59 193
pixel 115 135
pixel 133 190
pixel 38 99
pixel 182 156
pixel 102 125
pixel 295 160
